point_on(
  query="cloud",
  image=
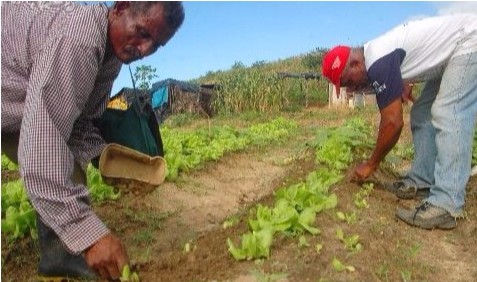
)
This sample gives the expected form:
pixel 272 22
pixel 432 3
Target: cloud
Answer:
pixel 446 8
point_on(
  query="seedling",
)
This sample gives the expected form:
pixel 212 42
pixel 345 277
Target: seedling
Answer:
pixel 128 276
pixel 339 266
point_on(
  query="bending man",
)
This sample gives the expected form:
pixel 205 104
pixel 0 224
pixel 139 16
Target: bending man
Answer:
pixel 442 52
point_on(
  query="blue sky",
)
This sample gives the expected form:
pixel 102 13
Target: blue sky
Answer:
pixel 215 35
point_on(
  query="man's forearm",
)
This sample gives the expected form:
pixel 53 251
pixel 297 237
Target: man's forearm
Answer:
pixel 389 131
pixel 388 136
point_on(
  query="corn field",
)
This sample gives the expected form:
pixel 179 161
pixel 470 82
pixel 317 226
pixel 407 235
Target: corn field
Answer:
pixel 260 88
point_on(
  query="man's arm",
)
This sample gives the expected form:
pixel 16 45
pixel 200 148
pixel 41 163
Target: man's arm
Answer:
pixel 61 80
pixel 389 131
pixel 86 141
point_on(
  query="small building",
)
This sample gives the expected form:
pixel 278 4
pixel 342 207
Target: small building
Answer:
pixel 172 96
pixel 351 100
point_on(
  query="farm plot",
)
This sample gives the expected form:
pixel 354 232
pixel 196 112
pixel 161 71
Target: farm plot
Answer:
pixel 180 231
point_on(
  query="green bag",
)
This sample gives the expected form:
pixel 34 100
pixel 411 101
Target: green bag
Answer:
pixel 135 127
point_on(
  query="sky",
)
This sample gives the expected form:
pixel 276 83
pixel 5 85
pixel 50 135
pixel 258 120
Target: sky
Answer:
pixel 217 34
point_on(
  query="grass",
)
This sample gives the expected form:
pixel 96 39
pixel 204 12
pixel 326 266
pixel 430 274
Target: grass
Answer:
pixel 144 237
pixel 383 272
pixel 181 119
pixel 141 218
pixel 407 261
pixel 261 276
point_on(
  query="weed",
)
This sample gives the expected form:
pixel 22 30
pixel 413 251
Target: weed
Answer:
pixel 406 275
pixel 414 249
pixel 383 272
pixel 142 237
pixel 261 276
pixel 179 120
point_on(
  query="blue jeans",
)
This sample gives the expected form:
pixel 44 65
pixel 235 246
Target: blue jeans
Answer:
pixel 442 125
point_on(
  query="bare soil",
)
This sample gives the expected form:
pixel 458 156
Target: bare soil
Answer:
pixel 188 213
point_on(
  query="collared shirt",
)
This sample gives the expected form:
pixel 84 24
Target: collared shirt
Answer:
pixel 57 74
pixel 417 51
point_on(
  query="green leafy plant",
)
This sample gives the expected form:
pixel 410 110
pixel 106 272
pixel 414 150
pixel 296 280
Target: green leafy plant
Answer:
pixel 302 242
pixel 186 150
pixel 351 243
pixel 7 164
pixel 318 248
pixel 339 266
pixel 18 216
pixel 335 148
pixel 360 198
pixel 350 218
pixel 99 191
pixel 255 244
pixel 128 276
pixel 296 206
pixel 233 220
pixel 189 247
pixel 294 213
pixel 144 74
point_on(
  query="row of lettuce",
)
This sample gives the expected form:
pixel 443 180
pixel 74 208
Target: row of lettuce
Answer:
pixel 185 151
pixel 294 211
pixel 296 207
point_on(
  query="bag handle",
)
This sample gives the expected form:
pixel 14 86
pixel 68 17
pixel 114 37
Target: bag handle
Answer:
pixel 140 102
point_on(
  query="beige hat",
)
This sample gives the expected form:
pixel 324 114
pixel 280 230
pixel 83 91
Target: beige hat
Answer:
pixel 131 170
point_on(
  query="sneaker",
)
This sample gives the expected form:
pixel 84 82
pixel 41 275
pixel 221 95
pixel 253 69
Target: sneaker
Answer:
pixel 402 191
pixel 56 263
pixel 427 216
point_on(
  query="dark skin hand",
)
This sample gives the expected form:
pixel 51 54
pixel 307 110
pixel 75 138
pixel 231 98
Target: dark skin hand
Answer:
pixel 389 131
pixel 107 257
pixel 406 95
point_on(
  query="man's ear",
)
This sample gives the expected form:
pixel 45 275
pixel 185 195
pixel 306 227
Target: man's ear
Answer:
pixel 120 6
pixel 354 63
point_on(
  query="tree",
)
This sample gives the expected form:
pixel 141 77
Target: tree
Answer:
pixel 143 75
pixel 238 65
pixel 312 60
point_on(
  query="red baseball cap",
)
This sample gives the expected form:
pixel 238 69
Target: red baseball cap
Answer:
pixel 333 64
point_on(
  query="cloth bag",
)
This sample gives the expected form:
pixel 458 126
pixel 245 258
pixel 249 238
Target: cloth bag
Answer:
pixel 133 160
pixel 135 127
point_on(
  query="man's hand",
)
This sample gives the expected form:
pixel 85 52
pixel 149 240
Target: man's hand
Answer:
pixel 406 95
pixel 107 257
pixel 361 172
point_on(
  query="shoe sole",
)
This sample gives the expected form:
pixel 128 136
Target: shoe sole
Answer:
pixel 451 224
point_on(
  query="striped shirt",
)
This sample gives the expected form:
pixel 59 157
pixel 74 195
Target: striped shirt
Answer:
pixel 57 74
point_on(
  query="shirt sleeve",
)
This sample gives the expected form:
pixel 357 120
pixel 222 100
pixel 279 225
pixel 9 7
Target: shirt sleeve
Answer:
pixel 62 77
pixel 386 79
pixel 86 142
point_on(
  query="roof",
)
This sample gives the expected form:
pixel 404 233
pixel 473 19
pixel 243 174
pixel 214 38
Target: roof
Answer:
pixel 187 86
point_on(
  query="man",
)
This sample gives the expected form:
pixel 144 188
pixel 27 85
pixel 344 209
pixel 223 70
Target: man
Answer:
pixel 59 61
pixel 441 51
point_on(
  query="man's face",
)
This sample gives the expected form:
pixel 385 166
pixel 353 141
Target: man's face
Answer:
pixel 354 78
pixel 134 36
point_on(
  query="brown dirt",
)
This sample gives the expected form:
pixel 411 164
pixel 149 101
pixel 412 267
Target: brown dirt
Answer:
pixel 157 226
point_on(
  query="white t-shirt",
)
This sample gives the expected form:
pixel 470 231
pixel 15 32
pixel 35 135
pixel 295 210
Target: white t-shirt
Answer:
pixel 418 51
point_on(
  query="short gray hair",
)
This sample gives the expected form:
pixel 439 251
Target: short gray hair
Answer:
pixel 173 11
